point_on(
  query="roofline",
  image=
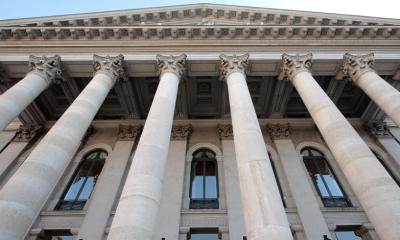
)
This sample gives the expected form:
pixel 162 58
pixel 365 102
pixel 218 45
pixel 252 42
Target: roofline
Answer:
pixel 210 5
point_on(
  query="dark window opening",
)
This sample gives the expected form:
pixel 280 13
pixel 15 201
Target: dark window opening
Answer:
pixel 204 234
pixel 62 234
pixel 204 180
pixel 348 233
pixel 277 180
pixel 324 179
pixel 83 181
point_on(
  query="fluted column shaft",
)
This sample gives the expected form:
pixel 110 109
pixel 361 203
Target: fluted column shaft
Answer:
pixel 137 210
pixel 17 98
pixel 358 69
pixel 375 189
pixel 264 214
pixel 24 195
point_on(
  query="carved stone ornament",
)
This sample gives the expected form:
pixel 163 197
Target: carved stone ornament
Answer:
pixel 181 131
pixel 396 75
pixel 47 67
pixel 378 129
pixel 172 64
pixel 225 130
pixel 278 131
pixel 292 65
pixel 231 64
pixel 26 133
pixel 129 132
pixel 112 66
pixel 354 66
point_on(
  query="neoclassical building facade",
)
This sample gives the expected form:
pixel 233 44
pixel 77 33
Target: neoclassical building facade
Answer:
pixel 200 122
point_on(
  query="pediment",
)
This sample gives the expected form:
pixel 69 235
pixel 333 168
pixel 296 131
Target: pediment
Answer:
pixel 202 21
pixel 201 14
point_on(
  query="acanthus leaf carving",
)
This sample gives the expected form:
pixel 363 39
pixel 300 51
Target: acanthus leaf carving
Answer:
pixel 353 66
pixel 129 132
pixel 111 66
pixel 47 67
pixel 278 131
pixel 234 63
pixel 225 130
pixel 172 64
pixel 181 131
pixel 294 64
pixel 27 133
pixel 378 129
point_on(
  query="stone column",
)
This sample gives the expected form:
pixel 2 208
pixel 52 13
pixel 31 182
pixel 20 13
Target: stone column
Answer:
pixel 264 214
pixel 310 214
pixel 234 204
pixel 137 211
pixel 23 196
pixel 22 138
pixel 43 70
pixel 375 189
pixel 171 199
pixel 103 196
pixel 359 70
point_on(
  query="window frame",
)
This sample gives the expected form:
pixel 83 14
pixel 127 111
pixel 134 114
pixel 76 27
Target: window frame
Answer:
pixel 325 200
pixel 62 200
pixel 203 203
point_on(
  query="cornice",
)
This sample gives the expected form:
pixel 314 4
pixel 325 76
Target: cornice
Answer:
pixel 200 32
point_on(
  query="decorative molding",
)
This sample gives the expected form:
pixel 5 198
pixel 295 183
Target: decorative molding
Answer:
pixel 231 64
pixel 172 64
pixel 294 64
pixel 129 132
pixel 396 75
pixel 27 133
pixel 225 131
pixel 278 131
pixel 378 129
pixel 181 132
pixel 47 67
pixel 111 66
pixel 353 66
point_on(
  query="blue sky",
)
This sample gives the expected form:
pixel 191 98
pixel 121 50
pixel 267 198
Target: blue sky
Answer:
pixel 29 8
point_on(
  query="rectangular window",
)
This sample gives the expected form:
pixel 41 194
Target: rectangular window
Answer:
pixel 204 234
pixel 348 233
pixel 61 234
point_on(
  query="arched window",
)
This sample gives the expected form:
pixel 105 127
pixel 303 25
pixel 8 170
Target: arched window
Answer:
pixel 386 167
pixel 324 179
pixel 204 180
pixel 82 184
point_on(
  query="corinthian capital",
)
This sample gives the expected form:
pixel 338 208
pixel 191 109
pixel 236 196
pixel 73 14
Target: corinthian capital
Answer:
pixel 181 131
pixel 292 65
pixel 47 67
pixel 354 66
pixel 111 66
pixel 225 131
pixel 26 133
pixel 172 64
pixel 278 131
pixel 129 132
pixel 231 64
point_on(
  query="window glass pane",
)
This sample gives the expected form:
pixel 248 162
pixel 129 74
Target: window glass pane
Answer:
pixel 211 187
pixel 321 186
pixel 74 188
pixel 333 186
pixel 347 235
pixel 197 182
pixel 315 152
pixel 305 153
pixel 204 236
pixel 87 189
pixel 62 238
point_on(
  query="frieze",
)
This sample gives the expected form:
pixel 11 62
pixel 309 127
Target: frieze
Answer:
pixel 111 66
pixel 278 131
pixel 293 64
pixel 354 66
pixel 172 64
pixel 27 133
pixel 129 132
pixel 225 130
pixel 181 132
pixel 47 67
pixel 231 64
